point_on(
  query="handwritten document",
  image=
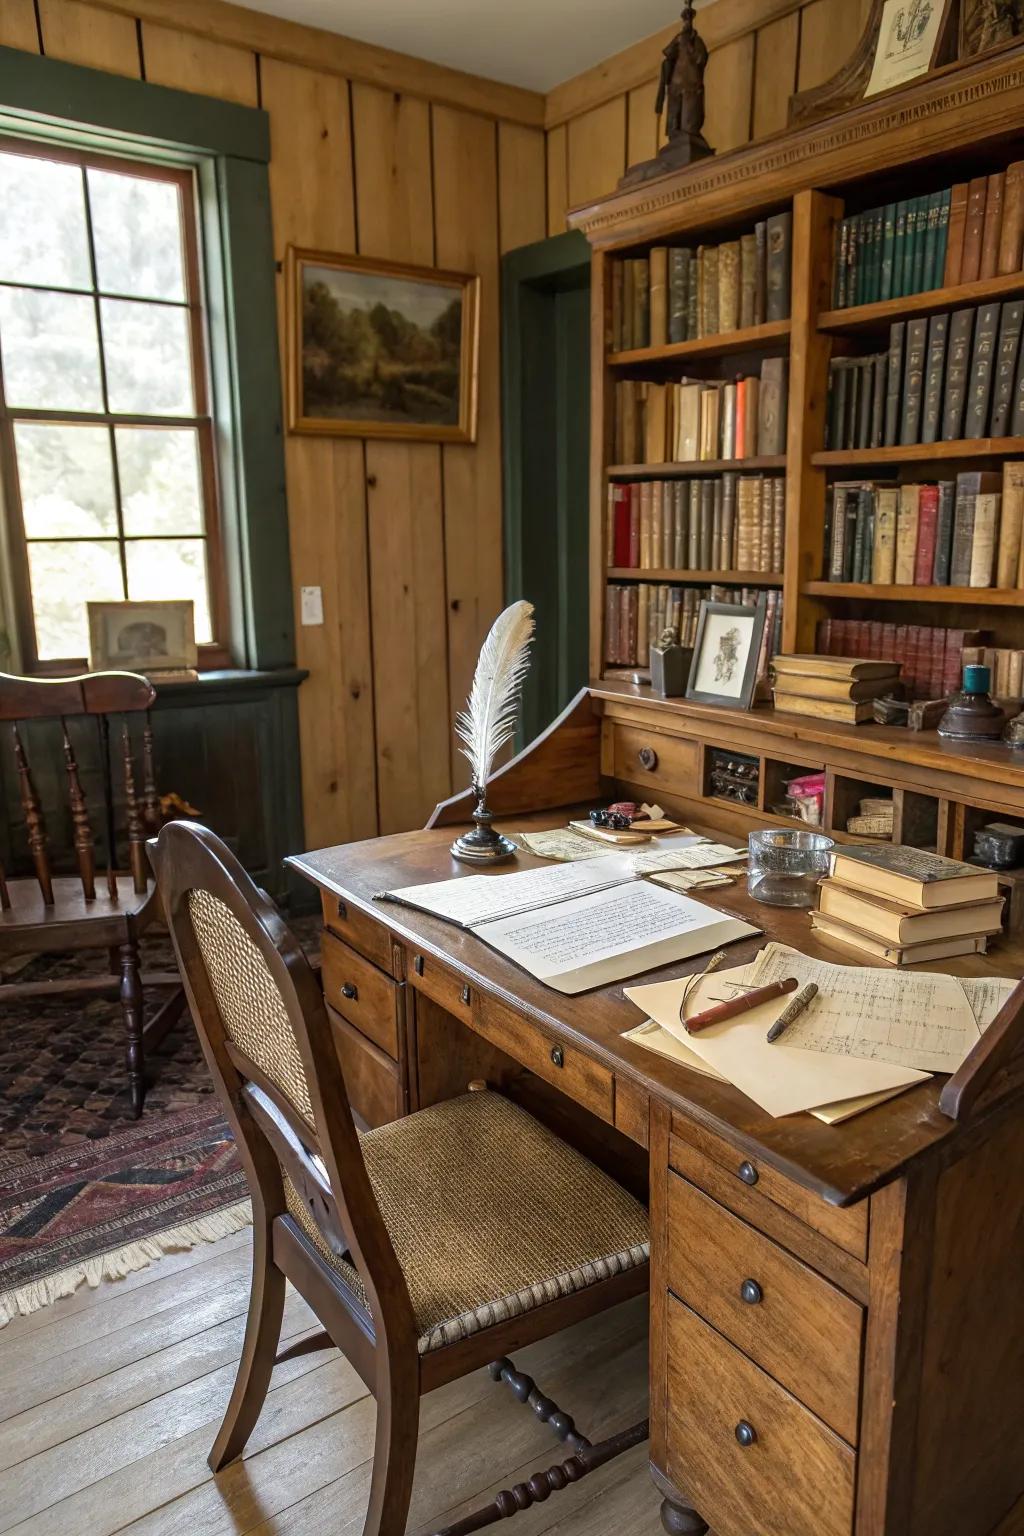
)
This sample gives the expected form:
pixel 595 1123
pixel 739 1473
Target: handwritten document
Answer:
pixel 563 844
pixel 607 935
pixel 911 1019
pixel 700 855
pixel 473 899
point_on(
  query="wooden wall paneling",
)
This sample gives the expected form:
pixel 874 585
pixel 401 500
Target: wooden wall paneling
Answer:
pixel 729 91
pixel 522 186
pixel 191 63
pixel 466 238
pixel 558 179
pixel 775 65
pixel 597 151
pixel 86 34
pixel 829 32
pixel 405 515
pixel 642 123
pixel 18 25
pixel 313 204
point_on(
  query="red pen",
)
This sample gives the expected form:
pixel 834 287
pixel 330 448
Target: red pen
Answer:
pixel 722 1011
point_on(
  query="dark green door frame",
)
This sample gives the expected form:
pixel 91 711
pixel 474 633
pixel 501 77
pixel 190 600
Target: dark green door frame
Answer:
pixel 545 424
pixel 230 147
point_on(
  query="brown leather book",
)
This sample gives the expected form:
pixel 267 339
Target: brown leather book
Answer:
pixel 955 240
pixel 1011 238
pixel 974 230
pixel 710 291
pixel 659 295
pixel 772 417
pixel 729 286
pixel 748 280
pixel 993 226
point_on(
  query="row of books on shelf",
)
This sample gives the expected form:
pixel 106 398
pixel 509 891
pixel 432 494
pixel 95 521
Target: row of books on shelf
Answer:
pixel 954 533
pixel 636 616
pixel 942 379
pixel 972 230
pixel 729 522
pixel 932 657
pixel 676 293
pixel 700 419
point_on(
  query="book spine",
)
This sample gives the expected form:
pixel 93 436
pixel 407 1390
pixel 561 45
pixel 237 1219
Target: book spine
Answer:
pixel 894 382
pixel 779 268
pixel 773 404
pixel 838 532
pixel 944 534
pixel 677 295
pixel 641 304
pixel 961 334
pixel 963 529
pixel 993 225
pixel 879 374
pixel 935 372
pixel 618 288
pixel 931 241
pixel 883 564
pixel 983 541
pixel 709 319
pixel 1008 560
pixel 917 341
pixel 899 251
pixel 628 304
pixel 851 508
pixel 865 401
pixel 885 290
pixel 941 240
pixel 1006 367
pixel 682 525
pixel 728 287
pixel 1011 236
pixel 761 272
pixel 693 550
pixel 980 392
pixel 957 228
pixel 927 528
pixel 729 493
pixel 906 535
pixel 748 280
pixel 920 241
pixel 974 230
pixel 840 249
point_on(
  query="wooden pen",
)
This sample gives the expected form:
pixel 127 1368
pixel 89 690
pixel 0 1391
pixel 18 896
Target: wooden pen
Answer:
pixel 737 1005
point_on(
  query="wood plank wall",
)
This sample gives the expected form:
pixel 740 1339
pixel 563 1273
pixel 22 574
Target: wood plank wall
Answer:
pixel 602 121
pixel 387 156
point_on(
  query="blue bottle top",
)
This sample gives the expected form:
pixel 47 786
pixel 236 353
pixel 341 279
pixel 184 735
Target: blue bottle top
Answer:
pixel 977 680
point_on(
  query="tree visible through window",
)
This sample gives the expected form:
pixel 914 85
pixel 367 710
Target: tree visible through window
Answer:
pixel 105 426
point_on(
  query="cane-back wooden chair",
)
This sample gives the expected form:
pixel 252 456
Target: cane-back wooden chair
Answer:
pixel 427 1247
pixel 52 913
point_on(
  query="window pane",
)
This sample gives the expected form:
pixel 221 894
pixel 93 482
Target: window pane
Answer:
pixel 160 486
pixel 50 354
pixel 136 227
pixel 66 479
pixel 64 578
pixel 42 231
pixel 146 347
pixel 166 568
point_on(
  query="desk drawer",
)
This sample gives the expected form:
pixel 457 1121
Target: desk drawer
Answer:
pixel 654 761
pixel 563 1066
pixel 796 1478
pixel 374 1084
pixel 361 993
pixel 433 977
pixel 357 928
pixel 848 1228
pixel 798 1327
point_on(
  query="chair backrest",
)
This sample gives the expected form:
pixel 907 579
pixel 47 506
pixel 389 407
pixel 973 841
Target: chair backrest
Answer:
pixel 263 1026
pixel 98 696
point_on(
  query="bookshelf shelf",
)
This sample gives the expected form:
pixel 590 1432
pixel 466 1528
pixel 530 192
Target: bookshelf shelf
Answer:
pixel 869 317
pixel 750 339
pixel 694 467
pixel 919 453
pixel 702 578
pixel 982 597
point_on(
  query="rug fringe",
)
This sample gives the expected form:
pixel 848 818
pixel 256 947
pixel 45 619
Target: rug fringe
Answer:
pixel 120 1262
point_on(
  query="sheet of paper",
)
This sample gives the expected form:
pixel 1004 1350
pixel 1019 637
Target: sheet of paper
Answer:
pixel 780 1078
pixel 608 935
pixel 561 843
pixel 986 995
pixel 701 855
pixel 694 879
pixel 908 1018
pixel 473 899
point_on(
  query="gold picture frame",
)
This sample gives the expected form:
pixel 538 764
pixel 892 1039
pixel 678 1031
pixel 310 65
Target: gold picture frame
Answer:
pixel 141 636
pixel 371 350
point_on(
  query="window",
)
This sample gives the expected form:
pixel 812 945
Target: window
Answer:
pixel 105 421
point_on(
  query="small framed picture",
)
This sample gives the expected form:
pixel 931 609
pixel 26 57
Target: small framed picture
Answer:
pixel 986 24
pixel 381 349
pixel 142 637
pixel 725 653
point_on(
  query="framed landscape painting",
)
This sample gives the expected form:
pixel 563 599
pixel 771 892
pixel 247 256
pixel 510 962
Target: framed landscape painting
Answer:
pixel 380 349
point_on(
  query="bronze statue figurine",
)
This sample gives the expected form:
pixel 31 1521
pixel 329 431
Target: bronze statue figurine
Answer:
pixel 681 95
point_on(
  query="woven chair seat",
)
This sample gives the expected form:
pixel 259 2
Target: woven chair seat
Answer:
pixel 490 1215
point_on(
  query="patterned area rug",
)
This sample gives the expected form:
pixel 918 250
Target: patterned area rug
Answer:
pixel 87 1193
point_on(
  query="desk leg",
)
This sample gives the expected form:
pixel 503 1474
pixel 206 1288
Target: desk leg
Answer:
pixel 680 1519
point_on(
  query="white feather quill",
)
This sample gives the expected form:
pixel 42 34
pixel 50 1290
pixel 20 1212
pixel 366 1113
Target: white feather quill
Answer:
pixel 489 719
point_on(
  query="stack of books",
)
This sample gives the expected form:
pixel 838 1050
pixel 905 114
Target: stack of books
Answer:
pixel 876 816
pixel 832 687
pixel 700 419
pixel 953 376
pixel 675 293
pixel 932 657
pixel 972 230
pixel 961 533
pixel 904 905
pixel 729 523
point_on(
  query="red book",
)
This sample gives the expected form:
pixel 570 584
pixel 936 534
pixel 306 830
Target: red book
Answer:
pixel 875 639
pixel 841 638
pixel 937 663
pixel 634 527
pixel 620 525
pixel 889 651
pixel 927 521
pixel 823 637
pixel 918 644
pixel 741 418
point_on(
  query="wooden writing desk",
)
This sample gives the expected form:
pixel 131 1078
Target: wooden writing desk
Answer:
pixel 837 1313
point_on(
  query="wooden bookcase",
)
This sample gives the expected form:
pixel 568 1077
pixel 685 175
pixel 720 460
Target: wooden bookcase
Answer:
pixel 960 122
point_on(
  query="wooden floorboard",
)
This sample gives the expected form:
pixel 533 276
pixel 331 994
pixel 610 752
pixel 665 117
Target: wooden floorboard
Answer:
pixel 111 1402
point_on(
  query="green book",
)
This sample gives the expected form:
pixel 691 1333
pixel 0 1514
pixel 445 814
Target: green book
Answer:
pixel 931 236
pixel 941 239
pixel 920 238
pixel 888 251
pixel 899 251
pixel 877 236
pixel 852 250
pixel 865 231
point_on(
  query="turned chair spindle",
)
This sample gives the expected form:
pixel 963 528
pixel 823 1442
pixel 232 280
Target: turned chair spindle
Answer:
pixel 85 847
pixel 136 836
pixel 35 823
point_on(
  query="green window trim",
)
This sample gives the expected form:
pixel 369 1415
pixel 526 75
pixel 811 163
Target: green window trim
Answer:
pixel 229 145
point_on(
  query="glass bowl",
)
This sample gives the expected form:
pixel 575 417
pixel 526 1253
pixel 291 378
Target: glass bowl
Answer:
pixel 784 867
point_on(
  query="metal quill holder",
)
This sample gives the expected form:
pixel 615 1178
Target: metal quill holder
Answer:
pixel 489 721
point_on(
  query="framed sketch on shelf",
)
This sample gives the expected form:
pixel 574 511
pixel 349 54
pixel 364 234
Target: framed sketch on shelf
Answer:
pixel 154 638
pixel 725 654
pixel 914 36
pixel 986 24
pixel 381 349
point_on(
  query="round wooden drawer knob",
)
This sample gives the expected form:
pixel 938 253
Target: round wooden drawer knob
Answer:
pixel 746 1434
pixel 648 759
pixel 350 990
pixel 748 1173
pixel 751 1293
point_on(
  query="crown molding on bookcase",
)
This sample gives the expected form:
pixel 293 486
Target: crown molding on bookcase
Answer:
pixel 961 104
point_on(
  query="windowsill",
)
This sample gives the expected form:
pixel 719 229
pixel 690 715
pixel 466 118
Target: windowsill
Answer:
pixel 231 679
